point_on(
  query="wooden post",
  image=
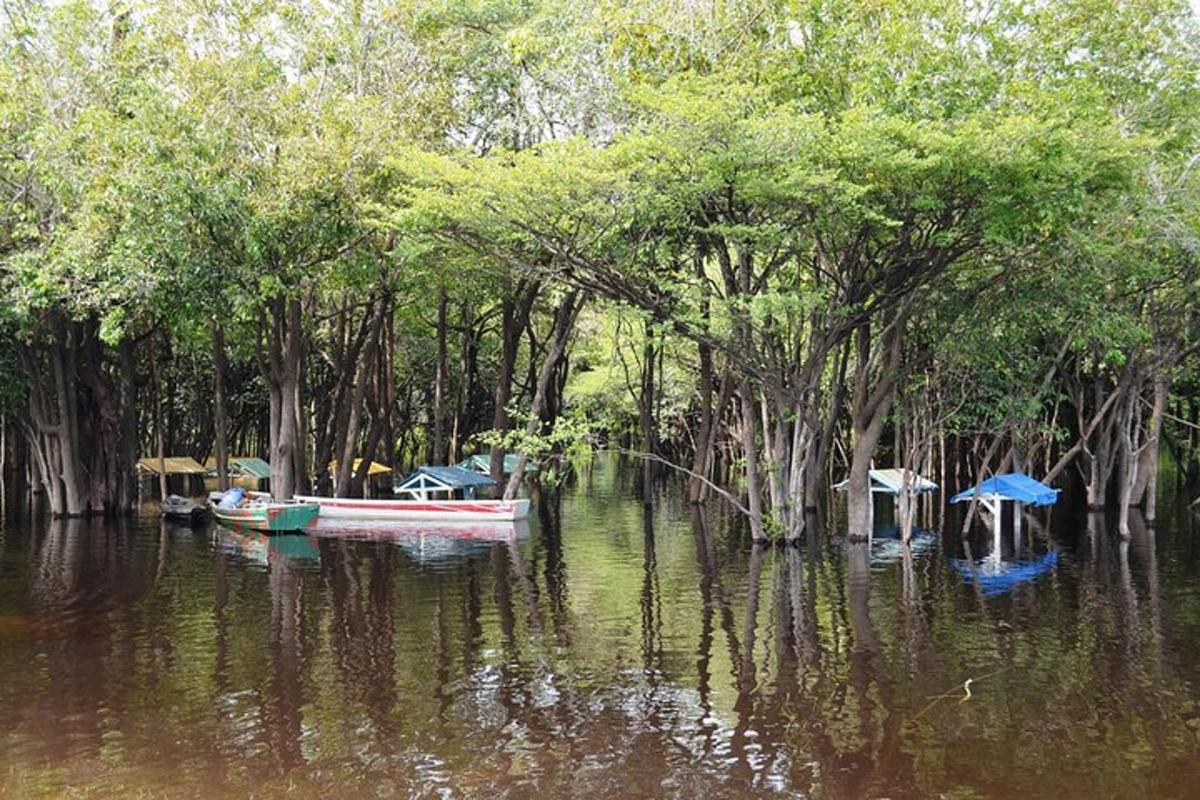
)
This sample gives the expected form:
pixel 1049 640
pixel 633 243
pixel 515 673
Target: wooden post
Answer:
pixel 996 543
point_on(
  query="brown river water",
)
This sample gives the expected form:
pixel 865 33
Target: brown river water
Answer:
pixel 601 651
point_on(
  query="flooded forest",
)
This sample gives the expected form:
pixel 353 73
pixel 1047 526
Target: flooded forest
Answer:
pixel 475 398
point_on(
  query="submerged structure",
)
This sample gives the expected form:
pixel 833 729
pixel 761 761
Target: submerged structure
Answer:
pixel 482 463
pixel 426 483
pixel 894 482
pixel 993 575
pixel 1015 487
pixel 902 484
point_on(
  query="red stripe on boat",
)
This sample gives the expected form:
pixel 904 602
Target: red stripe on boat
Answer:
pixel 490 508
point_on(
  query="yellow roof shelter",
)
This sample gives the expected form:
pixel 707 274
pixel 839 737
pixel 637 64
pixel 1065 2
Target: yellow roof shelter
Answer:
pixel 174 465
pixel 376 467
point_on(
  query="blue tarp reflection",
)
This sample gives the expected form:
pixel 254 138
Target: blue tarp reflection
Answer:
pixel 999 577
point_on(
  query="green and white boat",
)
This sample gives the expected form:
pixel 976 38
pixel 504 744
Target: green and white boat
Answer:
pixel 260 513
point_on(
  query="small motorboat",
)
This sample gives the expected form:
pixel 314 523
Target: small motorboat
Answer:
pixel 256 511
pixel 180 508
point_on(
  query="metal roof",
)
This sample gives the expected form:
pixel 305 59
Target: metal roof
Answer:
pixel 174 465
pixel 1012 486
pixel 450 477
pixel 255 467
pixel 482 463
pixel 242 466
pixel 891 481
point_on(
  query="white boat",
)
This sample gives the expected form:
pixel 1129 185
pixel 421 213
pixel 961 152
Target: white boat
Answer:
pixel 399 510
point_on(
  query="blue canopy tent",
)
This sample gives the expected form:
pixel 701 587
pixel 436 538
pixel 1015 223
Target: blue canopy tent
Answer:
pixel 1014 486
pixel 448 481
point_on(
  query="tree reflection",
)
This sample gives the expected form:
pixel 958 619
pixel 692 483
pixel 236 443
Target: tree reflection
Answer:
pixel 549 511
pixel 672 662
pixel 284 691
pixel 1145 546
pixel 81 628
pixel 650 601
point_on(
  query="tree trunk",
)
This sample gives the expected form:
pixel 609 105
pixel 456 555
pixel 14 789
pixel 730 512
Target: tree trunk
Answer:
pixel 646 401
pixel 820 457
pixel 220 406
pixel 362 380
pixel 750 453
pixel 564 322
pixel 302 483
pixel 282 371
pixel 159 443
pixel 513 318
pixel 3 467
pixel 702 458
pixel 704 436
pixel 66 377
pixel 1127 458
pixel 871 407
pixel 441 372
pixel 464 402
pixel 387 377
pixel 346 350
pixel 1146 492
pixel 127 442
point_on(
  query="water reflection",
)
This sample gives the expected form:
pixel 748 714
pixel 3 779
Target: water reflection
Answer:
pixel 995 574
pixel 607 650
pixel 258 548
pixel 888 547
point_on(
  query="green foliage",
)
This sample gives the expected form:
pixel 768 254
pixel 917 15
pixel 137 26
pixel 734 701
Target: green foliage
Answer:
pixel 1002 179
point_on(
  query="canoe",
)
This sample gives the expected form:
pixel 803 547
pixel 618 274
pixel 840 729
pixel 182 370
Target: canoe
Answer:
pixel 269 517
pixel 403 510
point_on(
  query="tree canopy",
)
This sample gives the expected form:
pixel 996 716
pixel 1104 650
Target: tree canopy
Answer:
pixel 763 243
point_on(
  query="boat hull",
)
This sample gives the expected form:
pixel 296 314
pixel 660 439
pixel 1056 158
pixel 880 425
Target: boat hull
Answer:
pixel 275 518
pixel 195 515
pixel 402 510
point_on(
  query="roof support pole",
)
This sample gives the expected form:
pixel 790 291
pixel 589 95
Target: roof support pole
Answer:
pixel 1017 509
pixel 996 524
pixel 870 517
